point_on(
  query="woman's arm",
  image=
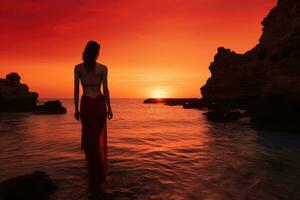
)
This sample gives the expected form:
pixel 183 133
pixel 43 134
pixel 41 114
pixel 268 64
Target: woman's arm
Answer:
pixel 106 94
pixel 76 91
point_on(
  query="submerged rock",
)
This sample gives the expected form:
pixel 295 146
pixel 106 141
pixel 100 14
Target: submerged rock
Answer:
pixel 15 96
pixel 35 186
pixel 270 69
pixel 51 107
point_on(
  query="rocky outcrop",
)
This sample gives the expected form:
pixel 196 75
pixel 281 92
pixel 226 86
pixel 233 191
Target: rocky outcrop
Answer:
pixel 169 101
pixel 201 104
pixel 223 116
pixel 186 103
pixel 15 96
pixel 277 114
pixel 266 76
pixel 51 107
pixel 35 186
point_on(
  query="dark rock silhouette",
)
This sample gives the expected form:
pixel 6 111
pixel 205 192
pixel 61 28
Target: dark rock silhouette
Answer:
pixel 277 113
pixel 35 186
pixel 264 80
pixel 197 104
pixel 223 116
pixel 14 77
pixel 15 96
pixel 168 101
pixel 187 103
pixel 51 107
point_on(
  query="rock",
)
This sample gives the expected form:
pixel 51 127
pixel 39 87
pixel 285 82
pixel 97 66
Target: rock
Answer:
pixel 279 113
pixel 13 77
pixel 197 104
pixel 223 116
pixel 270 69
pixel 154 100
pixel 35 186
pixel 15 96
pixel 191 105
pixel 171 101
pixel 187 103
pixel 176 102
pixel 51 107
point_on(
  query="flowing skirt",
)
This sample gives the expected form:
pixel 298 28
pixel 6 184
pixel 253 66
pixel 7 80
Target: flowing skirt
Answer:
pixel 93 116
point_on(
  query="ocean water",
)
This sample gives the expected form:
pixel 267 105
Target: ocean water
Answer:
pixel 155 152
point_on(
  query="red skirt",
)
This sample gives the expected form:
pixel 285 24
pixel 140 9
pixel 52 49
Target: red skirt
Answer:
pixel 93 117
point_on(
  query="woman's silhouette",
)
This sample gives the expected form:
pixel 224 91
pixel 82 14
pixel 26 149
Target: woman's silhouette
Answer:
pixel 94 109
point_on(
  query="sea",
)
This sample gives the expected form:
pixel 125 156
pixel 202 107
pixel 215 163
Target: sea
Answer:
pixel 155 152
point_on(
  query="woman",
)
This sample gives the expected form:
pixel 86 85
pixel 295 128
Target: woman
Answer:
pixel 94 108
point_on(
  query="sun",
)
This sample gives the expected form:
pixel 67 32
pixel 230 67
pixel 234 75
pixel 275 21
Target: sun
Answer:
pixel 158 93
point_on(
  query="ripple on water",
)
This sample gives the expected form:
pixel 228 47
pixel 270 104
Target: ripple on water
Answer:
pixel 155 152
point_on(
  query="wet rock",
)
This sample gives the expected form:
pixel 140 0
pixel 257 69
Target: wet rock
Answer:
pixel 51 107
pixel 35 186
pixel 15 96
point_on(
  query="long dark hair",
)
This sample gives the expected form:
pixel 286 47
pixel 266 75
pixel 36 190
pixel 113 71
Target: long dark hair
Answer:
pixel 90 54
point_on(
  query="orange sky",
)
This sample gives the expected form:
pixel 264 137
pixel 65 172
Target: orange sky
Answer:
pixel 151 47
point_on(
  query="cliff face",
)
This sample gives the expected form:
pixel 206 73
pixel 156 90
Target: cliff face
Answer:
pixel 15 96
pixel 270 69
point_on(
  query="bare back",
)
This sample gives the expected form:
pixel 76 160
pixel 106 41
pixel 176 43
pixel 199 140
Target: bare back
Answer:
pixel 92 80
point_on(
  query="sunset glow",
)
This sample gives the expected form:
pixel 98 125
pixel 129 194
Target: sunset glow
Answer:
pixel 145 44
pixel 159 93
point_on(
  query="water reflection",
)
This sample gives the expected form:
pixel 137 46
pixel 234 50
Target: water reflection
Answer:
pixel 155 152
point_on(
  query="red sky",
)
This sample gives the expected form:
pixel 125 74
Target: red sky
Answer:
pixel 151 47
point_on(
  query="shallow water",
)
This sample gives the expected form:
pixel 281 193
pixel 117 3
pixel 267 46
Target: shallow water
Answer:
pixel 155 152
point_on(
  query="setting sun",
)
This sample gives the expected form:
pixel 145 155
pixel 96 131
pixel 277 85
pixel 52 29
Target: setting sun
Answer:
pixel 159 93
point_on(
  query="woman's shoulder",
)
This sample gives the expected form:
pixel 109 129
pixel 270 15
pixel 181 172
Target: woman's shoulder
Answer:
pixel 101 67
pixel 78 66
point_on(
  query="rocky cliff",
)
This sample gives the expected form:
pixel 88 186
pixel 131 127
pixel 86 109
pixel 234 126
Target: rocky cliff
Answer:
pixel 273 66
pixel 15 96
pixel 268 76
